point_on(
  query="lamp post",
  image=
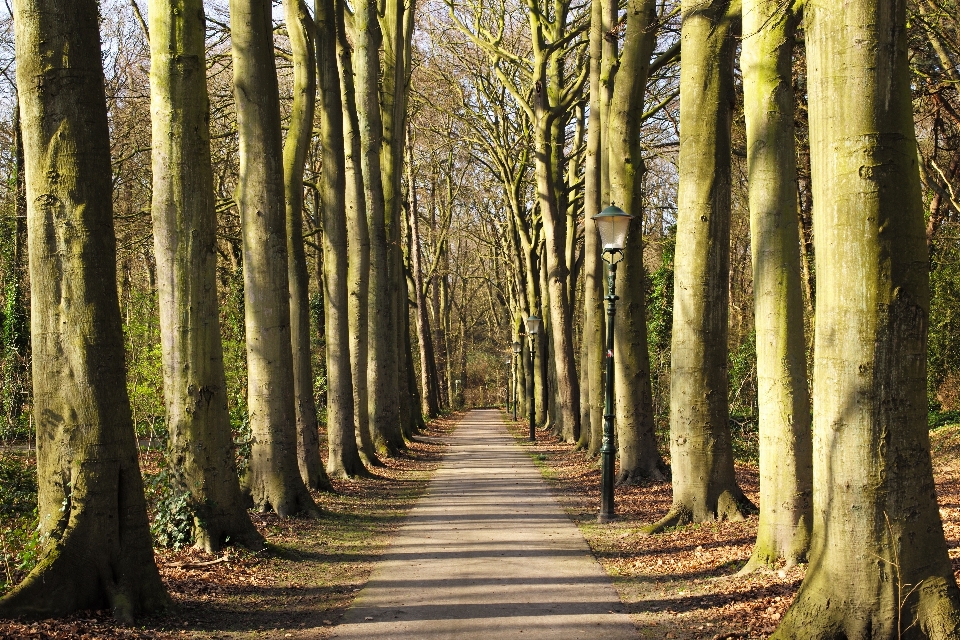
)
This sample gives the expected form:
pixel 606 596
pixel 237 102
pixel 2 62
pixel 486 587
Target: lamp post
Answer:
pixel 516 355
pixel 533 328
pixel 612 225
pixel 506 362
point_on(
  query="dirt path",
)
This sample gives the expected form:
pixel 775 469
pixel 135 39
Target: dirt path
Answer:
pixel 487 553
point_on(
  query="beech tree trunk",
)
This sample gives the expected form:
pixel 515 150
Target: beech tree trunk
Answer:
pixel 301 31
pixel 591 369
pixel 342 444
pixel 786 465
pixel 358 247
pixel 383 364
pixel 201 452
pixel 97 550
pixel 701 455
pixel 273 477
pixel 878 563
pixel 636 428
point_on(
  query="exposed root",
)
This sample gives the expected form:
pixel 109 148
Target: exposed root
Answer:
pixel 677 516
pixel 656 471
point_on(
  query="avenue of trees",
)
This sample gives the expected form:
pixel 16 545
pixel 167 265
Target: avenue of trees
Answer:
pixel 267 234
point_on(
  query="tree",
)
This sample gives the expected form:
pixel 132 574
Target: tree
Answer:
pixel 96 548
pixel 273 477
pixel 636 438
pixel 201 453
pixel 301 30
pixel 878 563
pixel 383 361
pixel 783 399
pixel 701 455
pixel 344 459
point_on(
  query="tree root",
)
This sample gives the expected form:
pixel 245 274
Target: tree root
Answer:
pixel 656 471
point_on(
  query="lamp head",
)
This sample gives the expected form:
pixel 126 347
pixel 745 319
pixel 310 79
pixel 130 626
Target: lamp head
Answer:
pixel 516 347
pixel 533 325
pixel 613 223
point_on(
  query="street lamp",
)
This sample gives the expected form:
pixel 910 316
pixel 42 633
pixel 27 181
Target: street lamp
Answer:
pixel 533 328
pixel 612 225
pixel 506 362
pixel 516 355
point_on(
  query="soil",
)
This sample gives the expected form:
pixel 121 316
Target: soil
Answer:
pixel 298 588
pixel 682 584
pixel 677 585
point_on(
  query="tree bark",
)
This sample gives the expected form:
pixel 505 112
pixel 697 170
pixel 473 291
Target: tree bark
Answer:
pixel 701 455
pixel 358 247
pixel 383 364
pixel 200 449
pixel 591 368
pixel 878 560
pixel 273 478
pixel 301 30
pixel 636 428
pixel 342 444
pixel 786 464
pixel 97 550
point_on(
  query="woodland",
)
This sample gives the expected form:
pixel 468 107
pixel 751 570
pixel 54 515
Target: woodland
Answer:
pixel 250 249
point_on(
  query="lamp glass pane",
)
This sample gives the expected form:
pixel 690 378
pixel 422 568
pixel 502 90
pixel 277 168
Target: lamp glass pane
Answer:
pixel 533 325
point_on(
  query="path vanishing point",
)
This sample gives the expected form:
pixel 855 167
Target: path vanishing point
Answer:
pixel 487 553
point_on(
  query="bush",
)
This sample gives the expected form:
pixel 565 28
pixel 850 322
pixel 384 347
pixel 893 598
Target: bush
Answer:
pixel 19 539
pixel 943 359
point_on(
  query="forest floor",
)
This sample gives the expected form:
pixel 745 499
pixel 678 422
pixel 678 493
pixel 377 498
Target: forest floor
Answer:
pixel 682 584
pixel 677 585
pixel 298 588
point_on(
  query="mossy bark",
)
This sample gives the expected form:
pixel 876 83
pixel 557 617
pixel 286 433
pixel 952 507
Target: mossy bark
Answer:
pixel 201 452
pixel 383 360
pixel 636 429
pixel 273 477
pixel 701 455
pixel 358 260
pixel 878 564
pixel 301 31
pixel 96 550
pixel 591 369
pixel 786 464
pixel 342 445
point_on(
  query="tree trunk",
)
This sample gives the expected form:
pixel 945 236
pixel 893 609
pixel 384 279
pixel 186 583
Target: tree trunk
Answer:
pixel 591 385
pixel 358 246
pixel 636 428
pixel 343 453
pixel 786 483
pixel 273 477
pixel 701 456
pixel 383 364
pixel 97 550
pixel 430 400
pixel 301 30
pixel 201 453
pixel 878 560
pixel 556 276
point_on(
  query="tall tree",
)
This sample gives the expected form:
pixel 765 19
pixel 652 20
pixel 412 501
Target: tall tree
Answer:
pixel 97 550
pixel 358 245
pixel 701 454
pixel 786 465
pixel 636 438
pixel 301 31
pixel 273 477
pixel 344 458
pixel 201 453
pixel 383 363
pixel 878 564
